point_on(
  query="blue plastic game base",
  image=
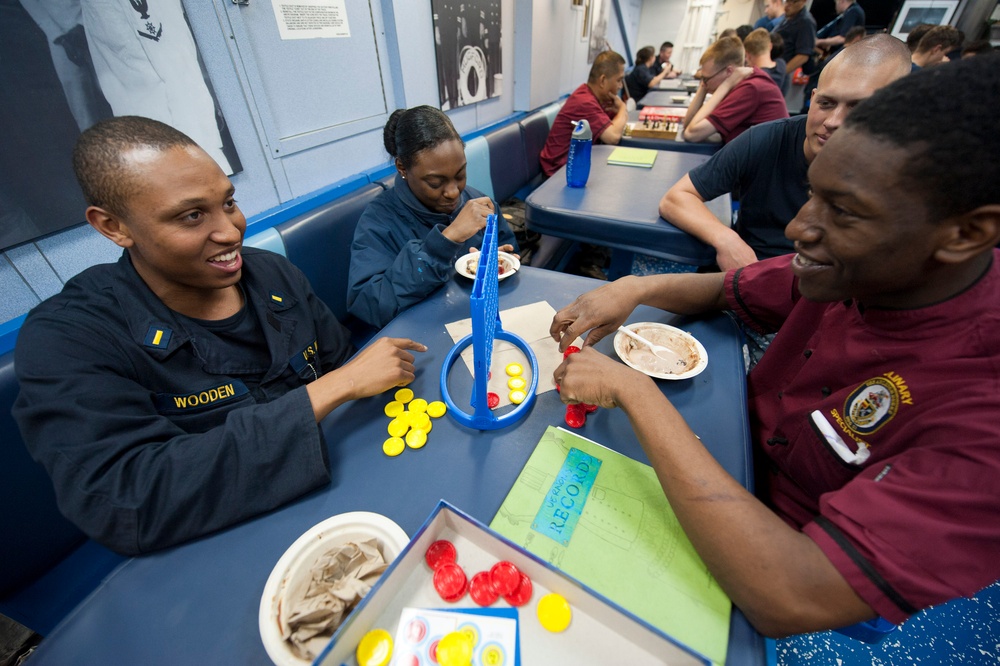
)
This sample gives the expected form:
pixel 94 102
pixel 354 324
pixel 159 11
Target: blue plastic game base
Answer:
pixel 484 418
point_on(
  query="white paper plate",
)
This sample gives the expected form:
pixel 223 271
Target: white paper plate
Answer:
pixel 681 341
pixel 303 554
pixel 508 262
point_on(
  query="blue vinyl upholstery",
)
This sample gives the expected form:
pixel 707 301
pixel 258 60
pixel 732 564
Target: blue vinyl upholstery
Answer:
pixel 47 565
pixel 508 163
pixel 319 243
pixel 535 129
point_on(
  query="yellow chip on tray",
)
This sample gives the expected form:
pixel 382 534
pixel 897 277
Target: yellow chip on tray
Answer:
pixel 394 408
pixel 517 397
pixel 455 649
pixel 514 369
pixel 437 409
pixel 514 384
pixel 375 648
pixel 418 405
pixel 393 446
pixel 404 395
pixel 554 612
pixel 415 439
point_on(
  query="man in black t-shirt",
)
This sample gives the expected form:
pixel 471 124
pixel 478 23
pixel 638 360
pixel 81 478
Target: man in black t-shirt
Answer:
pixel 765 167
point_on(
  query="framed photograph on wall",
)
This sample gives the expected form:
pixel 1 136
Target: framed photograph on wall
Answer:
pixel 598 28
pixel 915 12
pixel 585 20
pixel 469 57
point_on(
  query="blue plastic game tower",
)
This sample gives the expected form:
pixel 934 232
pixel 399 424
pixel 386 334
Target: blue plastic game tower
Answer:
pixel 487 327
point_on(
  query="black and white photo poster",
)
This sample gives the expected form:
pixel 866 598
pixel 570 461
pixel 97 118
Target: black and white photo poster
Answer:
pixel 467 41
pixel 64 65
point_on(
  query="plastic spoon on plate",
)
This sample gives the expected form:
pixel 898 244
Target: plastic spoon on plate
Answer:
pixel 661 352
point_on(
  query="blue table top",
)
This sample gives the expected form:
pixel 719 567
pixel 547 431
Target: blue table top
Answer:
pixel 198 603
pixel 619 207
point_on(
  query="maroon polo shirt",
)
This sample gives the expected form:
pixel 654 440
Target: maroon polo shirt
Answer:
pixel 880 433
pixel 755 100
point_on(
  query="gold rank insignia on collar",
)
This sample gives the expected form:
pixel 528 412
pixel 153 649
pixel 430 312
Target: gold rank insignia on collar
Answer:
pixel 157 337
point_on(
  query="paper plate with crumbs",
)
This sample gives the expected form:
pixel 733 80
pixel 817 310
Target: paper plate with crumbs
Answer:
pixel 358 544
pixel 691 357
pixel 507 265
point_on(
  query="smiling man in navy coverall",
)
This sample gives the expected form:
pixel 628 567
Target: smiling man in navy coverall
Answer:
pixel 178 391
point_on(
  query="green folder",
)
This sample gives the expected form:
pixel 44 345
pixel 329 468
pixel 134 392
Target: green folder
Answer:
pixel 640 157
pixel 602 518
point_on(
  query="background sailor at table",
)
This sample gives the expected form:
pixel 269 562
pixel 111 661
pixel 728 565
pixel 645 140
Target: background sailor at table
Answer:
pixel 408 239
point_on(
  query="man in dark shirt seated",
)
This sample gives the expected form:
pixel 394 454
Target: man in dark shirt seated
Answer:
pixel 662 61
pixel 766 167
pixel 874 412
pixel 641 78
pixel 179 391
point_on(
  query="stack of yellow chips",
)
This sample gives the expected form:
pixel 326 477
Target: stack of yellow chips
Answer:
pixel 516 383
pixel 411 421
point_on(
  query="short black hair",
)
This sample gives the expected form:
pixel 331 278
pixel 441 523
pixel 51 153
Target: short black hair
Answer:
pixel 666 45
pixel 744 30
pixel 409 132
pixel 99 157
pixel 946 116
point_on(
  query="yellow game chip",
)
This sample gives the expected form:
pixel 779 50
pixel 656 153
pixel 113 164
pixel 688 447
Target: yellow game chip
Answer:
pixel 404 395
pixel 514 369
pixel 415 439
pixel 455 649
pixel 517 397
pixel 393 446
pixel 554 612
pixel 397 428
pixel 514 384
pixel 394 409
pixel 375 648
pixel 418 406
pixel 437 409
pixel 421 422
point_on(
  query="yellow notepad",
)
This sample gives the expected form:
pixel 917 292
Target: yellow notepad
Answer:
pixel 640 157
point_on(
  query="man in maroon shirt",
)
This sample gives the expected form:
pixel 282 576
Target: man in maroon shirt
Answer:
pixel 741 97
pixel 595 101
pixel 874 411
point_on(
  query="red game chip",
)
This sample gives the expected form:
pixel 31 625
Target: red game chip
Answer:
pixel 492 400
pixel 440 552
pixel 450 581
pixel 572 349
pixel 576 415
pixel 481 589
pixel 590 409
pixel 522 594
pixel 505 577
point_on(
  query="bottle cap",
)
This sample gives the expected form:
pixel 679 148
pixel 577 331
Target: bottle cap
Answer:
pixel 582 130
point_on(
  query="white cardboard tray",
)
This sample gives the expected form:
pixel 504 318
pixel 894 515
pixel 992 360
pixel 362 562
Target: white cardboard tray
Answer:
pixel 601 632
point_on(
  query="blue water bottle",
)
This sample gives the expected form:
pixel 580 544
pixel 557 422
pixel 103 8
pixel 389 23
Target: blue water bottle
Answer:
pixel 578 162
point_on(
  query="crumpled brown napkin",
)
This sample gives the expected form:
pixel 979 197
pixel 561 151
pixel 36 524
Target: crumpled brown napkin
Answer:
pixel 313 607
